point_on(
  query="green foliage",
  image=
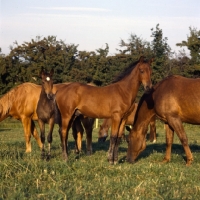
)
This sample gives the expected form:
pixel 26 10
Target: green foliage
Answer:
pixel 162 53
pixel 25 61
pixel 193 45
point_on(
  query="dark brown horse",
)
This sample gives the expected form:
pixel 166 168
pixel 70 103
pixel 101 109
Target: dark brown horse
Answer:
pixel 115 101
pixel 174 100
pixel 46 110
pixel 21 103
pixel 104 128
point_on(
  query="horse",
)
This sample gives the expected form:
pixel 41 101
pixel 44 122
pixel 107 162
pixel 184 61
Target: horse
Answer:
pixel 104 128
pixel 46 110
pixel 115 101
pixel 21 103
pixel 174 100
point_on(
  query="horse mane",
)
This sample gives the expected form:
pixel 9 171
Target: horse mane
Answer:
pixel 126 71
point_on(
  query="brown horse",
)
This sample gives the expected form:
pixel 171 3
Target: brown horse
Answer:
pixel 174 100
pixel 21 103
pixel 46 110
pixel 104 128
pixel 115 101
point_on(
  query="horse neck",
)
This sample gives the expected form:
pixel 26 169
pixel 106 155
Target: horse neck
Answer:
pixel 142 120
pixel 43 95
pixel 130 84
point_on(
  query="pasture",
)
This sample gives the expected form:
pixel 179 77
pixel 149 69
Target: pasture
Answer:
pixel 26 176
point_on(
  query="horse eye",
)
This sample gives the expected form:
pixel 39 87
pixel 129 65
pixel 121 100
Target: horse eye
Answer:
pixel 141 71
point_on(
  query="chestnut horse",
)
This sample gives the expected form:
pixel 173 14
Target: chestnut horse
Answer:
pixel 104 128
pixel 115 101
pixel 174 100
pixel 21 103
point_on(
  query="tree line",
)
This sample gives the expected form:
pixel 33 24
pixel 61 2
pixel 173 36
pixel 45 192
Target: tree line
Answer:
pixel 24 62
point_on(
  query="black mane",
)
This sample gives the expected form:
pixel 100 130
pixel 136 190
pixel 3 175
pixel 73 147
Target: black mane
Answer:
pixel 126 72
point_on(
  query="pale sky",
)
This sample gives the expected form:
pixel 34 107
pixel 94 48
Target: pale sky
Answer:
pixel 91 23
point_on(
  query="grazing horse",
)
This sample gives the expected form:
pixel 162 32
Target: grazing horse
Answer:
pixel 174 100
pixel 46 110
pixel 115 101
pixel 104 128
pixel 21 103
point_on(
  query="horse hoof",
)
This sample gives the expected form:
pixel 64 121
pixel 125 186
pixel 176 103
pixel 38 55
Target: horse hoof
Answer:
pixel 48 158
pixel 189 162
pixel 115 162
pixel 165 160
pixel 42 157
pixel 89 153
pixel 111 162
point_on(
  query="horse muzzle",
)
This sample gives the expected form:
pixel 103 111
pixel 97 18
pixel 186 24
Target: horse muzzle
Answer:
pixel 147 88
pixel 102 139
pixel 131 161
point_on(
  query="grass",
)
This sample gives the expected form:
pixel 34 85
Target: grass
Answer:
pixel 26 176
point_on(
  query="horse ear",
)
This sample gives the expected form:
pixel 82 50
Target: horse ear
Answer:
pixel 42 72
pixel 150 61
pixel 51 72
pixel 141 60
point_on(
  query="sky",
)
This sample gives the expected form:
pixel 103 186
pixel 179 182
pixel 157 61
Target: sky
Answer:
pixel 93 23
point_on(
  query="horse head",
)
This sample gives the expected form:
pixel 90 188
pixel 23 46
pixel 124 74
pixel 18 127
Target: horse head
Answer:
pixel 136 144
pixel 47 83
pixel 145 72
pixel 103 133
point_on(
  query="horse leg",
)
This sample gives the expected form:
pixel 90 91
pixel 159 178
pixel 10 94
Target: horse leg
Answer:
pixel 169 142
pixel 35 134
pixel 152 136
pixel 49 137
pixel 177 125
pixel 26 122
pixel 88 129
pixel 114 140
pixel 77 132
pixel 119 139
pixel 42 136
pixel 66 124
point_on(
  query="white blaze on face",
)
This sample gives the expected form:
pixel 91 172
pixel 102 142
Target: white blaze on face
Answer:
pixel 48 78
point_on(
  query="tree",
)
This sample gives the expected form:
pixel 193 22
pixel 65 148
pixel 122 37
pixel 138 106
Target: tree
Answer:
pixel 193 45
pixel 135 47
pixel 27 59
pixel 162 53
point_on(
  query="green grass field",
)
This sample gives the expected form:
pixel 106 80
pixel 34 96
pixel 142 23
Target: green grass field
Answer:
pixel 26 176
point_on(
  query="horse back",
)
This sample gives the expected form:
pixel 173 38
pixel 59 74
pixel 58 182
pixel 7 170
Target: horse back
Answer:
pixel 24 100
pixel 180 97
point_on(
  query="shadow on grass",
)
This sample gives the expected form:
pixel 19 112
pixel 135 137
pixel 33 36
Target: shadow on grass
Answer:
pixel 5 129
pixel 161 148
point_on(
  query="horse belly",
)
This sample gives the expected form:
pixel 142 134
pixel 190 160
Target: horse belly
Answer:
pixel 94 110
pixel 188 112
